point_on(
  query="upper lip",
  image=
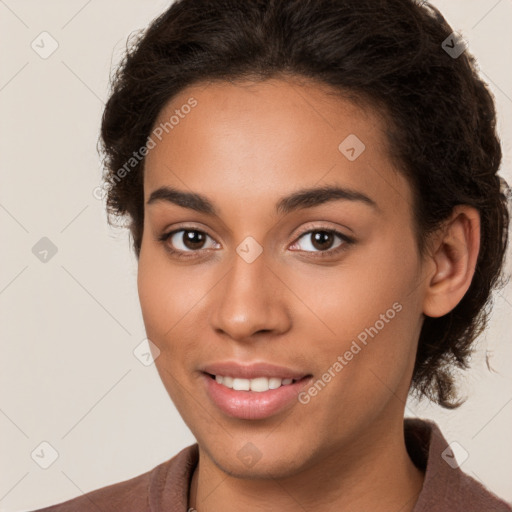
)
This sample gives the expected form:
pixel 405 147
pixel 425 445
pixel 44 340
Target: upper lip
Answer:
pixel 252 371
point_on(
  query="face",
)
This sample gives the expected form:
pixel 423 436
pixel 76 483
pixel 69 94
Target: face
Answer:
pixel 326 286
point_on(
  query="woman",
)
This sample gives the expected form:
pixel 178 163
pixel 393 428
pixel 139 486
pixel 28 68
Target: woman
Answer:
pixel 312 192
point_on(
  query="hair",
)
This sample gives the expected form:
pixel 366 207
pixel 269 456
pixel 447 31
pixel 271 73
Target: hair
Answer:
pixel 440 120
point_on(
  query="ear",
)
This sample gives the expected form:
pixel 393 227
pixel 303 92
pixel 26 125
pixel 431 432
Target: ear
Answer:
pixel 453 257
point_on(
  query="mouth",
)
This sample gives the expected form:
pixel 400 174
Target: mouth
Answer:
pixel 256 398
pixel 258 384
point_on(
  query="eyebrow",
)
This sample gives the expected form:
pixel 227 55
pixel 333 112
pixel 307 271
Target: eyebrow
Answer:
pixel 301 199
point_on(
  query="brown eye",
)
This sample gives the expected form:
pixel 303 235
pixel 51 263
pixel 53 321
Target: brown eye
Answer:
pixel 193 239
pixel 187 240
pixel 322 240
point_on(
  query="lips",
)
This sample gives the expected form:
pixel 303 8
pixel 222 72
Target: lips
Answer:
pixel 251 405
pixel 254 391
pixel 259 384
pixel 252 371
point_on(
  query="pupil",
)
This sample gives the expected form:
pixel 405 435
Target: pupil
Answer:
pixel 320 238
pixel 192 239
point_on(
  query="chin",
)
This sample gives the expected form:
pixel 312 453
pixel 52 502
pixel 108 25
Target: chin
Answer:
pixel 272 469
pixel 246 459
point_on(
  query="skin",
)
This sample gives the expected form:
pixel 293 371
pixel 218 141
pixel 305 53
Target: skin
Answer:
pixel 245 146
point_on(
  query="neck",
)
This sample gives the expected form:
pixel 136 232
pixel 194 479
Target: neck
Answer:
pixel 374 473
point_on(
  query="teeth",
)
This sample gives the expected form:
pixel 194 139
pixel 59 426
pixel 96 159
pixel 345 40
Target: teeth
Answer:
pixel 258 384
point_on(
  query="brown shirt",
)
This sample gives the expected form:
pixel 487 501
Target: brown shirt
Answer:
pixel 165 488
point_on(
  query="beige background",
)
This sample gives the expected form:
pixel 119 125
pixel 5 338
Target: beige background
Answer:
pixel 68 375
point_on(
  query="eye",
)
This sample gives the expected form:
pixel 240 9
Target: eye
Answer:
pixel 323 241
pixel 186 240
pixel 189 242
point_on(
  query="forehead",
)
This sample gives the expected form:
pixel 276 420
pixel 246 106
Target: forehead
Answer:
pixel 256 138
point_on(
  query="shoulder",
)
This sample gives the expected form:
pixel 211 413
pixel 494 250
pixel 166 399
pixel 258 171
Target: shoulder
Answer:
pixel 461 492
pixel 476 497
pixel 446 487
pixel 136 494
pixel 127 495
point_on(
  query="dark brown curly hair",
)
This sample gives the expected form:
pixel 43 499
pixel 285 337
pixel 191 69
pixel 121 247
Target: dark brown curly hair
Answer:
pixel 392 54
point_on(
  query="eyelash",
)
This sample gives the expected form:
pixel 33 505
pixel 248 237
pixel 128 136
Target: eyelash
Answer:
pixel 347 241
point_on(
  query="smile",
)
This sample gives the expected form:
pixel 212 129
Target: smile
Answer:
pixel 258 384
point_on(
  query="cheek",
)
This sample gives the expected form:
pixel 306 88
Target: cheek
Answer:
pixel 164 311
pixel 155 296
pixel 368 315
pixel 172 302
pixel 166 293
pixel 347 299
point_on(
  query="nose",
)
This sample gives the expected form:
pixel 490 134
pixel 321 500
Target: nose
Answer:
pixel 250 300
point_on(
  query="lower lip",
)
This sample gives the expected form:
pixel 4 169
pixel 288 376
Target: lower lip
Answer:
pixel 253 405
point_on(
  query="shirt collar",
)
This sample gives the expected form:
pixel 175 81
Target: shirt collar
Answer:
pixel 170 482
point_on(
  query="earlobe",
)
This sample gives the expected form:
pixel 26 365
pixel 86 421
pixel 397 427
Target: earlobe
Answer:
pixel 454 259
